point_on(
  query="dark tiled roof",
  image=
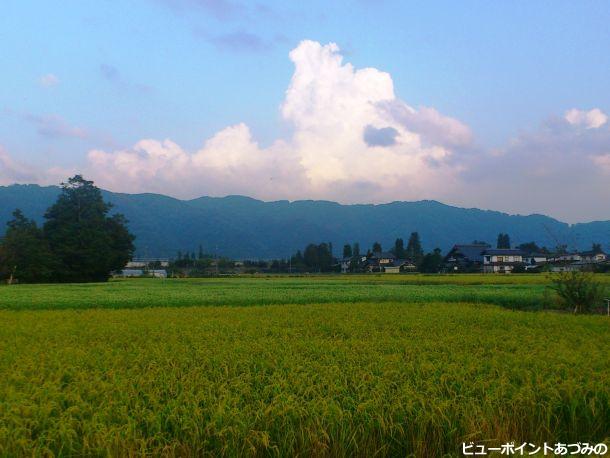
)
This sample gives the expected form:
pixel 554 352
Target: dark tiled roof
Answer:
pixel 384 255
pixel 503 251
pixel 470 252
pixel 591 253
pixel 402 262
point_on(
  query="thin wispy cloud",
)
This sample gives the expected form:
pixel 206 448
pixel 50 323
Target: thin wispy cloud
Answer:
pixel 112 74
pixel 220 9
pixel 239 42
pixel 48 80
pixel 54 126
pixel 109 72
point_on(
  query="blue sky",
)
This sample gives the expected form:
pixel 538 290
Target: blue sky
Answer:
pixel 82 76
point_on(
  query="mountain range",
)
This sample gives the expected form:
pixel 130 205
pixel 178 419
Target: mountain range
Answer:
pixel 244 228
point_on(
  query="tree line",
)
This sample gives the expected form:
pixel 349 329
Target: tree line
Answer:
pixel 320 257
pixel 78 242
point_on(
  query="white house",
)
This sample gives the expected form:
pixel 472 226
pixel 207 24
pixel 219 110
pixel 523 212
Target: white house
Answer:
pixel 501 260
pixel 592 256
pixel 144 263
pixel 534 260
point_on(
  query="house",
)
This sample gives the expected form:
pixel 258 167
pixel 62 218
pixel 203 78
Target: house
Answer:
pixel 465 258
pixel 398 266
pixel 501 260
pixel 133 273
pixel 566 257
pixel 346 263
pixel 533 261
pixel 146 263
pixel 378 261
pixel 586 260
pixel 387 262
pixel 593 257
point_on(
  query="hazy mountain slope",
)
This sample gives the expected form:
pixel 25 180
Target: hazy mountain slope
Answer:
pixel 242 227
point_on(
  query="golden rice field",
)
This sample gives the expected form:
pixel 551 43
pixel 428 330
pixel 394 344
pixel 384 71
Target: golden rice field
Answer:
pixel 95 371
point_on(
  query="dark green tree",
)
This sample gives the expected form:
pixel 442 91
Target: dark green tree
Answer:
pixel 356 249
pixel 376 247
pixel 432 262
pixel 88 243
pixel 24 253
pixel 347 251
pixel 318 258
pixel 597 248
pixel 310 256
pixel 503 241
pixel 200 256
pixel 529 247
pixel 414 249
pixel 399 249
pixel 297 262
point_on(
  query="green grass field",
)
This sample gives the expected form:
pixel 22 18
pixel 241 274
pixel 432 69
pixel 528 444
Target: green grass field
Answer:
pixel 307 366
pixel 519 292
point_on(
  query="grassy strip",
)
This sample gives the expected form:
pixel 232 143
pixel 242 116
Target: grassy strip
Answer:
pixel 262 291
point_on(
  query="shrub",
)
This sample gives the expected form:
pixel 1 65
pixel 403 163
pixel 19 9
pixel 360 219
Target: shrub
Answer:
pixel 578 290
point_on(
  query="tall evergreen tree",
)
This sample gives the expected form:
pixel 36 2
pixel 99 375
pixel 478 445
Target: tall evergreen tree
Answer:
pixel 318 257
pixel 503 241
pixel 325 257
pixel 88 243
pixel 24 253
pixel 310 256
pixel 347 251
pixel 376 247
pixel 399 249
pixel 356 249
pixel 414 249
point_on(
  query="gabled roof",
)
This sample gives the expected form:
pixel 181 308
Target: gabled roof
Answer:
pixel 471 252
pixel 402 262
pixel 503 252
pixel 384 255
pixel 592 253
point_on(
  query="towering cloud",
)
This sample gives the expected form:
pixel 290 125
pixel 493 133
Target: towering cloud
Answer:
pixel 352 140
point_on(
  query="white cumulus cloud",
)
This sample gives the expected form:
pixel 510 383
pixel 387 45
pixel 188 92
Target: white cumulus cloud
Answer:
pixel 333 108
pixel 591 119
